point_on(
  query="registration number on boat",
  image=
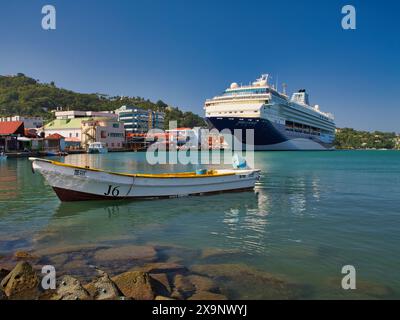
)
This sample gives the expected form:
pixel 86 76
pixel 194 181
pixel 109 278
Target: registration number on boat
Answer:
pixel 78 172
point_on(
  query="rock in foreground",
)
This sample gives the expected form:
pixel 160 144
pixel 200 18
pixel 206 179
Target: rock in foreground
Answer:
pixel 103 288
pixel 135 285
pixel 70 288
pixel 21 283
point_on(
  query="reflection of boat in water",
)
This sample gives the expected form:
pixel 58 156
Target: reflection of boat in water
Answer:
pixel 3 156
pixel 77 183
pixel 95 221
pixel 145 210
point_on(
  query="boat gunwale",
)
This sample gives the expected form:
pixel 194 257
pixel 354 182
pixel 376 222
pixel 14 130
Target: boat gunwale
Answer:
pixel 186 175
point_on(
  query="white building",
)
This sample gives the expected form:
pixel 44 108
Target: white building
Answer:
pixel 73 114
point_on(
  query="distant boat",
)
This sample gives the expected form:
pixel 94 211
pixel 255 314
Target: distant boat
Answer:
pixel 55 153
pixel 77 183
pixel 97 147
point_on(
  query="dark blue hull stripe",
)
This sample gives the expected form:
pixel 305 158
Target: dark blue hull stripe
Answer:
pixel 265 133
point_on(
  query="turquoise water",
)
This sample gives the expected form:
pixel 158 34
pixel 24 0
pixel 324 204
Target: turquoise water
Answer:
pixel 311 214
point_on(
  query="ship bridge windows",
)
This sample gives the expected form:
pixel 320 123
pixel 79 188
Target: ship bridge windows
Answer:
pixel 246 91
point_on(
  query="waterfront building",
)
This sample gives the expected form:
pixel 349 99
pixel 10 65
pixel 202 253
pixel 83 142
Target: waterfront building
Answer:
pixel 79 128
pixel 70 129
pixel 137 120
pixel 106 130
pixel 29 122
pixel 54 143
pixel 74 114
pixel 9 133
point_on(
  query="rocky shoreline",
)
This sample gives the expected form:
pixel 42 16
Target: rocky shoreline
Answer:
pixel 154 281
pixel 154 272
pixel 138 272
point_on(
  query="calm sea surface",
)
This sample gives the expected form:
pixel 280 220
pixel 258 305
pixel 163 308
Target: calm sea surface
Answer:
pixel 311 214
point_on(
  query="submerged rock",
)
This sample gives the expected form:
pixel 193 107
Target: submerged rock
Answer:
pixel 21 283
pixel 205 295
pixel 59 259
pixel 135 284
pixel 55 250
pixel 364 290
pixel 184 287
pixel 162 267
pixel 245 282
pixel 70 288
pixel 103 288
pixel 203 284
pixel 24 255
pixel 132 252
pixel 211 253
pixel 74 265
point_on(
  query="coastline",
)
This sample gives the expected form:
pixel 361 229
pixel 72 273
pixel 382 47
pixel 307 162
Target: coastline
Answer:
pixel 152 275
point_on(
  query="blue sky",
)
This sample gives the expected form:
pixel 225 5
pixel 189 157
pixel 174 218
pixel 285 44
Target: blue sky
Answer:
pixel 186 51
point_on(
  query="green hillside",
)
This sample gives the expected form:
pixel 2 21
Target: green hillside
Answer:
pixel 347 138
pixel 22 95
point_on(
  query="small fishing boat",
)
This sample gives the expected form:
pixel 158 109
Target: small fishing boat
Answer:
pixel 55 154
pixel 77 183
pixel 97 147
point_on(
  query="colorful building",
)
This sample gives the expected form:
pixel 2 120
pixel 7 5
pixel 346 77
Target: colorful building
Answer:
pixel 9 133
pixel 79 128
pixel 54 143
pixel 105 130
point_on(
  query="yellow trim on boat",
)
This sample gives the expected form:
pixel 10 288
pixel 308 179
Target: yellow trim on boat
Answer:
pixel 210 173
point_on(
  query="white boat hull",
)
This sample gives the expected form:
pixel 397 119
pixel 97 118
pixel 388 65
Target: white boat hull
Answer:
pixel 73 183
pixel 97 150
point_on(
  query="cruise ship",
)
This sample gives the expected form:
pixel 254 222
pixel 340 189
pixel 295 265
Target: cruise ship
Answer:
pixel 279 122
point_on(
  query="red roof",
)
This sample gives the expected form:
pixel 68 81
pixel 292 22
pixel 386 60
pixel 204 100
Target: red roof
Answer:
pixel 55 136
pixel 11 127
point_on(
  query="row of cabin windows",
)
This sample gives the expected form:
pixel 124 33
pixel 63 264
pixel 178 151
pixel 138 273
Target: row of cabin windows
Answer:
pixel 303 128
pixel 225 112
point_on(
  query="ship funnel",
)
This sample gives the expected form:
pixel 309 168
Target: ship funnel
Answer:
pixel 301 97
